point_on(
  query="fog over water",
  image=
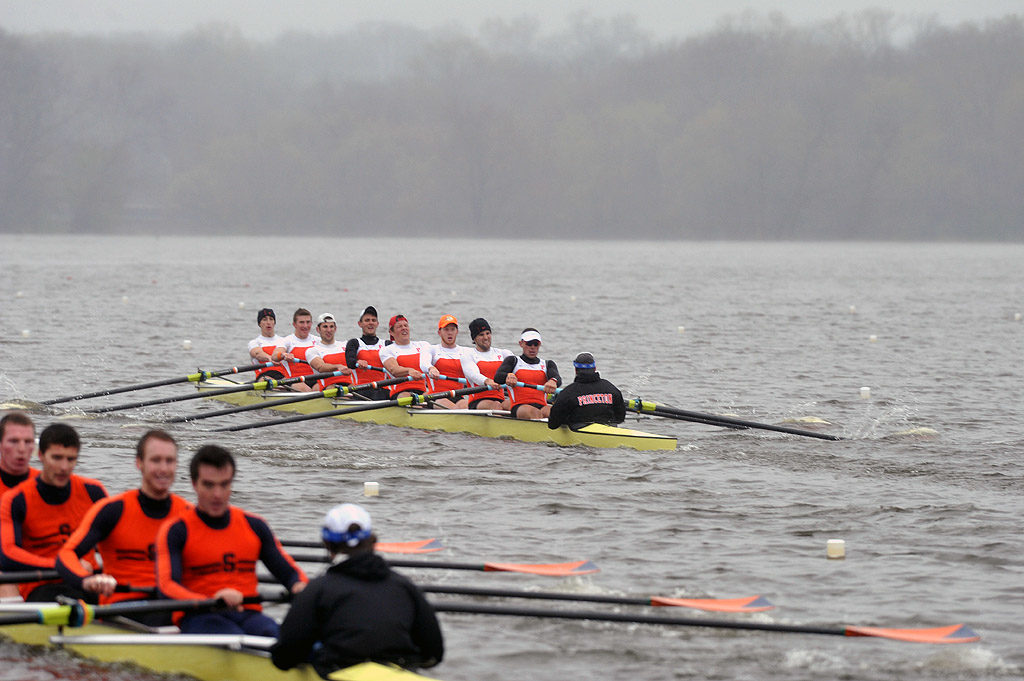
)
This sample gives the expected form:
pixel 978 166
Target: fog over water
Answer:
pixel 864 126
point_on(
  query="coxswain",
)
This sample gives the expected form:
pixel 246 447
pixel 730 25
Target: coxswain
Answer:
pixel 38 515
pixel 211 551
pixel 124 528
pixel 449 359
pixel 263 347
pixel 364 352
pixel 487 359
pixel 296 345
pixel 17 445
pixel 588 399
pixel 329 354
pixel 529 368
pixel 359 609
pixel 404 357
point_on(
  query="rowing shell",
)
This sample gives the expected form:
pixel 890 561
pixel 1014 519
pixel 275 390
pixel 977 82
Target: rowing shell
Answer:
pixel 208 657
pixel 477 422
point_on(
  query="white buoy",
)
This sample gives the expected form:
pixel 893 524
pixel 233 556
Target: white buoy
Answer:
pixel 19 294
pixel 835 549
pixel 186 344
pixel 681 329
pixel 124 299
pixel 872 338
pixel 1016 315
pixel 371 489
pixel 25 333
pixel 572 299
pixel 865 393
pixel 241 305
pixel 853 309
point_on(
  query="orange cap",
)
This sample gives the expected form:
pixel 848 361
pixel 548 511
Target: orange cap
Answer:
pixel 446 320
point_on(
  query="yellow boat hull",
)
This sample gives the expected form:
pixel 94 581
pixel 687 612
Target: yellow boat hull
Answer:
pixel 482 423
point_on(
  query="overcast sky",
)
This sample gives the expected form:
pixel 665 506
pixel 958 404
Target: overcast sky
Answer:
pixel 266 18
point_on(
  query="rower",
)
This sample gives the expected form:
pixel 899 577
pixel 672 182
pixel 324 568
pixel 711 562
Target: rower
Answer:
pixel 263 347
pixel 486 359
pixel 359 609
pixel 529 368
pixel 448 359
pixel 211 551
pixel 124 527
pixel 405 357
pixel 38 515
pixel 364 352
pixel 588 399
pixel 296 346
pixel 329 354
pixel 17 445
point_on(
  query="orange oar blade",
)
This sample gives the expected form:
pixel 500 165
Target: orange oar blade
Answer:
pixel 746 604
pixel 956 633
pixel 580 567
pixel 422 546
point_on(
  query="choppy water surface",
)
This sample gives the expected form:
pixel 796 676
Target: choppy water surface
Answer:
pixel 926 492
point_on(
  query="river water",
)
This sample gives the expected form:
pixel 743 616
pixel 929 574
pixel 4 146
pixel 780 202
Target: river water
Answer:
pixel 926 492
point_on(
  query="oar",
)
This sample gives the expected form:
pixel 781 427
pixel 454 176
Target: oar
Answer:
pixel 745 604
pixel 333 391
pixel 80 613
pixel 200 375
pixel 421 546
pixel 407 401
pixel 645 407
pixel 580 567
pixel 265 384
pixel 956 633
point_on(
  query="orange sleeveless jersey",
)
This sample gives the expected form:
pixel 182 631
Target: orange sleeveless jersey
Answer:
pixel 129 550
pixel 211 559
pixel 300 368
pixel 371 355
pixel 32 473
pixel 411 360
pixel 281 369
pixel 488 368
pixel 45 527
pixel 448 366
pixel 527 374
pixel 337 358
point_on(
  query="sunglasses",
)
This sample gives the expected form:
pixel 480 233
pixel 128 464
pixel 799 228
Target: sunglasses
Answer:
pixel 533 344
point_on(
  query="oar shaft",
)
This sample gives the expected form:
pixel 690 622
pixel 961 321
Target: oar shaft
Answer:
pixel 535 595
pixel 334 390
pixel 266 384
pixel 200 375
pixel 439 565
pixel 662 410
pixel 408 401
pixel 473 608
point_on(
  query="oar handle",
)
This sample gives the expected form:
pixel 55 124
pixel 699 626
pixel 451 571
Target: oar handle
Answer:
pixel 532 386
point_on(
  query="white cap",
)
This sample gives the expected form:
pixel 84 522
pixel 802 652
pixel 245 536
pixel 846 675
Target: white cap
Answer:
pixel 338 521
pixel 325 317
pixel 530 336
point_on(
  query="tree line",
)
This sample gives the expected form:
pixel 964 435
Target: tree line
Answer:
pixel 870 126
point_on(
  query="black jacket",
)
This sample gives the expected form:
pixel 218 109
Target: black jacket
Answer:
pixel 359 610
pixel 588 399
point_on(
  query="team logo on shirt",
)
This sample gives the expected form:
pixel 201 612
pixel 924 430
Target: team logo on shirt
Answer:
pixel 599 398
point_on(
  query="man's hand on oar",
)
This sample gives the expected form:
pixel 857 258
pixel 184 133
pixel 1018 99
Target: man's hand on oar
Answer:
pixel 407 401
pixel 654 409
pixel 956 633
pixel 745 604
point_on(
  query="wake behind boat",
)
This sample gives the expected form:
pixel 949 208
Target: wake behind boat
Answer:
pixel 485 423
